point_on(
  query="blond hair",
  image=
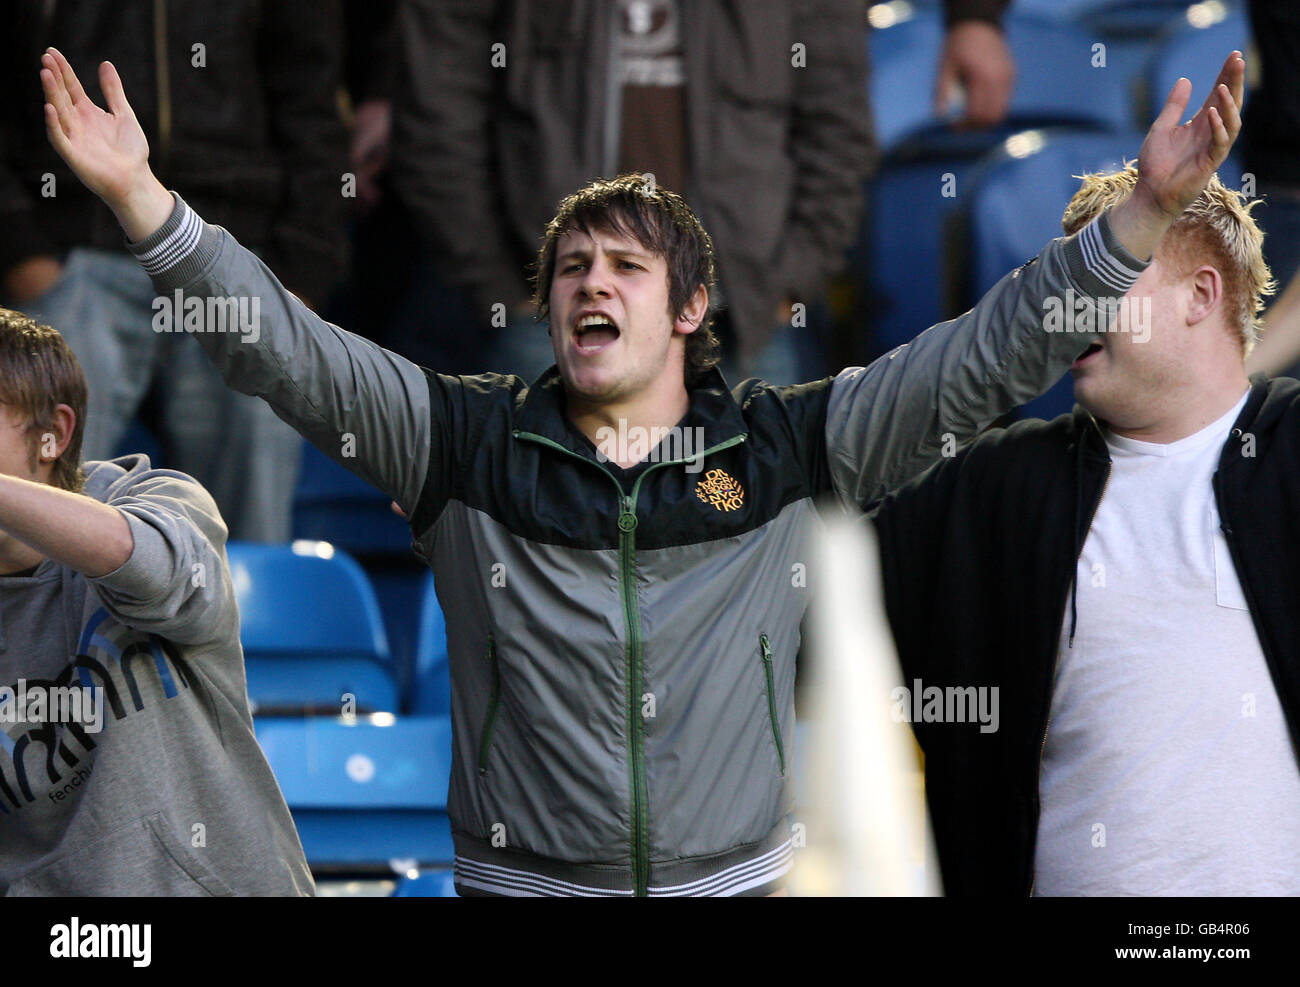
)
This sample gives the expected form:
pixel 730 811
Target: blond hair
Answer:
pixel 1216 229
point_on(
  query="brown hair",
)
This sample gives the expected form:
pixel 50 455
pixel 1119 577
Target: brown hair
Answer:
pixel 661 221
pixel 38 372
pixel 1216 229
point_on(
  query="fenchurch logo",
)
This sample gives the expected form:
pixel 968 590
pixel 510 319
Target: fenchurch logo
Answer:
pixel 720 490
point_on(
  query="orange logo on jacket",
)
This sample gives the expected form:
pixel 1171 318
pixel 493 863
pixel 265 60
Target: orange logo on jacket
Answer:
pixel 720 490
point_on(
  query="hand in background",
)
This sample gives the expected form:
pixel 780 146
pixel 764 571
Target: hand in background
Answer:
pixel 30 278
pixel 372 131
pixel 976 58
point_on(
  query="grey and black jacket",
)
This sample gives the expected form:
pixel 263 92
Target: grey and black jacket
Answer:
pixel 622 658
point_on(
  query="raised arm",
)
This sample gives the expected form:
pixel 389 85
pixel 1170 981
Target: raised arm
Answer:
pixel 887 422
pixel 75 531
pixel 153 547
pixel 365 407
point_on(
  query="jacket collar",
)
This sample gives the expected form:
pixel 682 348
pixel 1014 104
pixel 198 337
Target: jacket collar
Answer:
pixel 1267 400
pixel 540 409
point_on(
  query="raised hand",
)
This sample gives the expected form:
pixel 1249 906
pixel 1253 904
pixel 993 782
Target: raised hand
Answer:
pixel 1176 162
pixel 107 151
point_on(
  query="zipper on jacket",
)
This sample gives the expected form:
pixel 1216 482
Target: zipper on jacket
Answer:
pixel 771 698
pixel 494 703
pixel 627 523
pixel 632 660
pixel 1056 661
pixel 163 69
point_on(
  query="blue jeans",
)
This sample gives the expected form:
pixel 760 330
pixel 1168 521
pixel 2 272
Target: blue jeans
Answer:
pixel 233 444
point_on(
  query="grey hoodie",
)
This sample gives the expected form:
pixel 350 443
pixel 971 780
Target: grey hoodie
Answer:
pixel 160 788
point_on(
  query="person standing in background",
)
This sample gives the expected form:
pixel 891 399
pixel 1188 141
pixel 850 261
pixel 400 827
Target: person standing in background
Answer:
pixel 239 102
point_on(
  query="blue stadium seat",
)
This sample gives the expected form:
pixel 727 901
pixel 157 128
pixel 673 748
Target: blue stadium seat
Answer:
pixel 898 258
pixel 331 504
pixel 1121 19
pixel 399 588
pixel 1195 45
pixel 427 884
pixel 903 53
pixel 1020 191
pixel 311 630
pixel 1056 82
pixel 1053 70
pixel 432 682
pixel 366 795
pixel 1062 10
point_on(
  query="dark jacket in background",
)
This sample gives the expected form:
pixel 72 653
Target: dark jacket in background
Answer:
pixel 1270 134
pixel 253 136
pixel 978 562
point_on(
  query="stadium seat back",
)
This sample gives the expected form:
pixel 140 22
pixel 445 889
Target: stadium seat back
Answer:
pixel 310 628
pixel 1057 80
pixel 432 684
pixel 1194 45
pixel 903 51
pixel 1124 19
pixel 899 254
pixel 427 884
pixel 1019 193
pixel 368 794
pixel 332 504
pixel 305 598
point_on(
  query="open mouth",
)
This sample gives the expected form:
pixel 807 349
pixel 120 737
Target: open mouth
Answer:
pixel 594 332
pixel 1087 355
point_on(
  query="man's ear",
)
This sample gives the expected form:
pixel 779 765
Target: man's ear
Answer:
pixel 693 312
pixel 52 441
pixel 1207 294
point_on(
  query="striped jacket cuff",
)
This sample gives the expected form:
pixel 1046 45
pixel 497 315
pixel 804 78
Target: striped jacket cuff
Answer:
pixel 180 250
pixel 1099 263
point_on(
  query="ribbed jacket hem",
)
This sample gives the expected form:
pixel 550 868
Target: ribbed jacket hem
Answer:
pixel 751 870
